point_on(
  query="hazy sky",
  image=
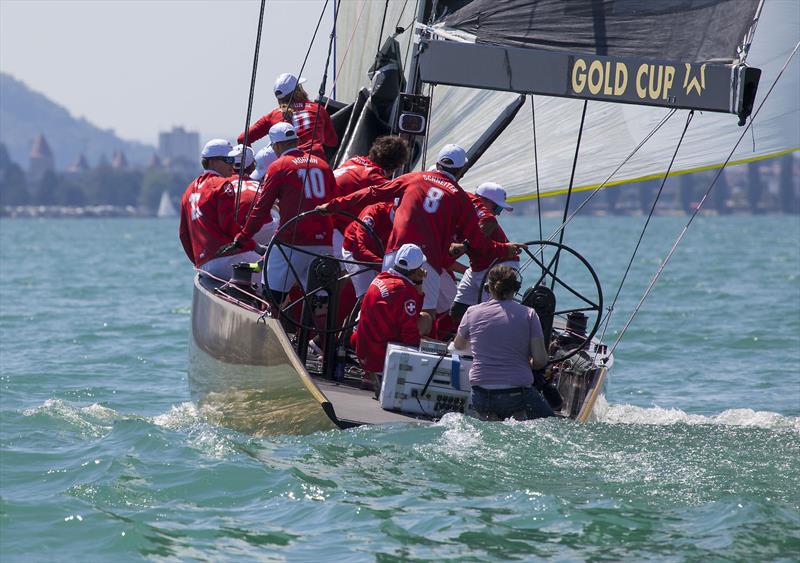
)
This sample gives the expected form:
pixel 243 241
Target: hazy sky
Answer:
pixel 141 66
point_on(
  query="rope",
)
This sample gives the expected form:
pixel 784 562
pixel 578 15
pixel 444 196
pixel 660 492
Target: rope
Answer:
pixel 380 35
pixel 536 172
pixel 699 205
pixel 313 132
pixel 644 228
pixel 427 130
pixel 249 108
pixel 349 42
pixel 569 191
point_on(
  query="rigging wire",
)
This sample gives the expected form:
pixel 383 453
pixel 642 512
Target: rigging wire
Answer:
pixel 536 172
pixel 349 42
pixel 699 205
pixel 569 192
pixel 596 190
pixel 427 130
pixel 249 110
pixel 380 35
pixel 410 38
pixel 644 228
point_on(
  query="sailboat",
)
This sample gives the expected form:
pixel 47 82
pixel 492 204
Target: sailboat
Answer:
pixel 613 91
pixel 166 209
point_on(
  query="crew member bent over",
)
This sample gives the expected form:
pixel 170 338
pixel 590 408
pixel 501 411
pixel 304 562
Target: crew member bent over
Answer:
pixel 489 201
pixel 390 311
pixel 361 244
pixel 208 209
pixel 506 340
pixel 387 154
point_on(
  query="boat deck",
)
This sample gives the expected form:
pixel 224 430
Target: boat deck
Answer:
pixel 358 406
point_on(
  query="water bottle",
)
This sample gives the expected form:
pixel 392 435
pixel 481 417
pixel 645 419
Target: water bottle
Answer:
pixel 455 371
pixel 341 359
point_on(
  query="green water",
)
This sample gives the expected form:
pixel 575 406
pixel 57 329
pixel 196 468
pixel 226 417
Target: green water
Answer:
pixel 695 456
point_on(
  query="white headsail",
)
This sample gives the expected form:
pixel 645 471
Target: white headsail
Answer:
pixel 611 130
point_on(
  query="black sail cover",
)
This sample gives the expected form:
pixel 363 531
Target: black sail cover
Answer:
pixel 679 30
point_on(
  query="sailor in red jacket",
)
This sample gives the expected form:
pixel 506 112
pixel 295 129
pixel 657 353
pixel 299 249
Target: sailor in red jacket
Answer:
pixel 207 213
pixel 489 201
pixel 310 120
pixel 387 154
pixel 433 209
pixel 255 170
pixel 299 182
pixel 391 309
pixel 361 245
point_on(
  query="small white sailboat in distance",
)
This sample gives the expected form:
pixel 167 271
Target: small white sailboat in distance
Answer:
pixel 166 209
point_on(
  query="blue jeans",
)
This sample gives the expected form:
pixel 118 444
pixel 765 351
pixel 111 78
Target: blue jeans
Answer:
pixel 523 403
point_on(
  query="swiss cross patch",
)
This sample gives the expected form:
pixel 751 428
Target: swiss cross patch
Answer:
pixel 369 221
pixel 410 306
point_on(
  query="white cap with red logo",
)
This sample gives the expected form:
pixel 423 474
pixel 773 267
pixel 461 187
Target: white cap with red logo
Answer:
pixel 216 148
pixel 495 193
pixel 264 158
pixel 285 84
pixel 409 257
pixel 452 156
pixel 281 132
pixel 249 157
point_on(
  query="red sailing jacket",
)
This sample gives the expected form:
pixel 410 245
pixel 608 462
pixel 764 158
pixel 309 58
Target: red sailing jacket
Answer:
pixel 248 194
pixel 284 183
pixel 304 116
pixel 356 174
pixel 481 258
pixel 207 210
pixel 389 313
pixel 433 209
pixel 357 239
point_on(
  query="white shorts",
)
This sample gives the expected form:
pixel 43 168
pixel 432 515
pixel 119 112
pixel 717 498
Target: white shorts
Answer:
pixel 360 280
pixel 265 233
pixel 337 241
pixel 222 267
pixel 439 288
pixel 469 286
pixel 280 277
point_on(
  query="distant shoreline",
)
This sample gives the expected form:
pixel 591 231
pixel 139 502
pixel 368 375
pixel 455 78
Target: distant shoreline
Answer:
pixel 129 211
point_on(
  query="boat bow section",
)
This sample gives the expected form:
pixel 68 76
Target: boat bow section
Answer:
pixel 244 373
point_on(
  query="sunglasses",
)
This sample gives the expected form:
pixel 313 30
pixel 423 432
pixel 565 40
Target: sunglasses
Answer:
pixel 225 159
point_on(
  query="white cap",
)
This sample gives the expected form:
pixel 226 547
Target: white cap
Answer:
pixel 264 158
pixel 215 148
pixel 409 257
pixel 285 84
pixel 452 156
pixel 281 132
pixel 249 157
pixel 494 192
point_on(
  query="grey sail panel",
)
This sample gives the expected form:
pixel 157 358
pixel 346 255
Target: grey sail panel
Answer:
pixel 682 30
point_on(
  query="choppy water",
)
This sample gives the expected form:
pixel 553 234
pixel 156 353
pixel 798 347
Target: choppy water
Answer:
pixel 695 456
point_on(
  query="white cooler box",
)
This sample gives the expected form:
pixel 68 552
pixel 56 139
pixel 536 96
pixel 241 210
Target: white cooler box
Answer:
pixel 404 375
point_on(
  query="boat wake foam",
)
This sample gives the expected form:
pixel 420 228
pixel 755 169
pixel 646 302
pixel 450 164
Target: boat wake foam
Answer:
pixel 630 414
pixel 91 420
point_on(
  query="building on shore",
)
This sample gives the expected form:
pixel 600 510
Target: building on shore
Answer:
pixel 178 144
pixel 40 160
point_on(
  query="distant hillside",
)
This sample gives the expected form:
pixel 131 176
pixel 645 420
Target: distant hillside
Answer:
pixel 25 113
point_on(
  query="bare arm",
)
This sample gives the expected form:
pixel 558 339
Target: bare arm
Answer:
pixel 538 352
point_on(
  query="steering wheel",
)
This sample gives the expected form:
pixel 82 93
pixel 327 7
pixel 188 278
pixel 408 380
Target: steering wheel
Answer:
pixel 333 275
pixel 549 273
